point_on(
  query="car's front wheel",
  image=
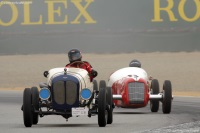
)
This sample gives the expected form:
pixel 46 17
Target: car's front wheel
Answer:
pixel 35 102
pixel 154 104
pixel 167 97
pixel 27 108
pixel 110 103
pixel 102 112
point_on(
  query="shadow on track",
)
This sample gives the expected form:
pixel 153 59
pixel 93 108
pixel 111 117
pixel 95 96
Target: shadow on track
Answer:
pixel 65 125
pixel 125 113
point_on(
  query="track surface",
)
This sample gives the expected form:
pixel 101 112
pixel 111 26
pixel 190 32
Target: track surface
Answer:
pixel 185 117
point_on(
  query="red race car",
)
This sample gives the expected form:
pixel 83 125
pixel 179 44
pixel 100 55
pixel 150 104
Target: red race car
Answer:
pixel 132 88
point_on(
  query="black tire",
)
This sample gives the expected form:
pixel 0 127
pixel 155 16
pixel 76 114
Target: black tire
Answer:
pixel 167 97
pixel 27 108
pixel 154 104
pixel 102 84
pixel 110 103
pixel 102 112
pixel 95 85
pixel 35 103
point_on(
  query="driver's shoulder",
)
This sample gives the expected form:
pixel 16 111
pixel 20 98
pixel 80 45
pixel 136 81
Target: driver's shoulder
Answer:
pixel 67 65
pixel 86 62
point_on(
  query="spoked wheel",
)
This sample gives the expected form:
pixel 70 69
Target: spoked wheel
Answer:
pixel 167 97
pixel 102 112
pixel 35 102
pixel 95 85
pixel 27 108
pixel 154 104
pixel 110 103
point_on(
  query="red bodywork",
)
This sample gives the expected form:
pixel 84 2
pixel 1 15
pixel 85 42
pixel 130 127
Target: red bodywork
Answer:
pixel 120 87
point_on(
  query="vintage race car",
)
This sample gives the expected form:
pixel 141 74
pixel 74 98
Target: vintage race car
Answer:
pixel 68 92
pixel 131 88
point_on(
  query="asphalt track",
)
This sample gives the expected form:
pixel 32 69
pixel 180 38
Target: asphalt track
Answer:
pixel 184 118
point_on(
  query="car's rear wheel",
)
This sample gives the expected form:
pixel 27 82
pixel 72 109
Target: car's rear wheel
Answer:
pixel 102 112
pixel 167 97
pixel 154 104
pixel 110 103
pixel 35 102
pixel 27 108
pixel 95 85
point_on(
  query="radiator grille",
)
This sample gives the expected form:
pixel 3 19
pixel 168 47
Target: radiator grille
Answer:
pixel 71 92
pixel 136 93
pixel 59 92
pixel 65 92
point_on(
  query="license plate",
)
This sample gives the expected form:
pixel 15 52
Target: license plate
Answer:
pixel 79 111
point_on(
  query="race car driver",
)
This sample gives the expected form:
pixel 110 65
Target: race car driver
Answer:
pixel 75 59
pixel 136 63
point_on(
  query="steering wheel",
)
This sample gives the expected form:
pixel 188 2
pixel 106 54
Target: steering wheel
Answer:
pixel 79 66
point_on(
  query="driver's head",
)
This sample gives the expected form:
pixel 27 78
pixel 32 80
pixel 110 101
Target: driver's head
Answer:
pixel 135 63
pixel 74 55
